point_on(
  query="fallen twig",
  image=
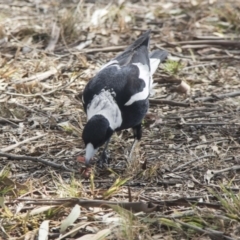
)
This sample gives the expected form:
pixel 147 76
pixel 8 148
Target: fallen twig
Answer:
pixel 132 206
pixel 11 121
pixel 196 46
pixel 9 148
pixel 167 80
pixel 216 141
pixel 39 112
pixel 236 167
pixel 187 203
pixel 210 58
pixel 210 232
pixel 209 124
pixel 217 97
pixel 169 102
pixel 199 65
pixel 41 76
pixel 216 38
pixel 35 159
pixel 192 161
pixel 46 93
pixel 229 43
pixel 104 49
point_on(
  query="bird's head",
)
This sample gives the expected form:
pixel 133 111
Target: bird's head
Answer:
pixel 95 133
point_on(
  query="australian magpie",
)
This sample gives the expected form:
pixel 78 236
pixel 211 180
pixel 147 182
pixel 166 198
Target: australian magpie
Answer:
pixel 116 98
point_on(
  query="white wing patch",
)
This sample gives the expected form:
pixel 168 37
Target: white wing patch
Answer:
pixel 154 63
pixel 105 105
pixel 145 75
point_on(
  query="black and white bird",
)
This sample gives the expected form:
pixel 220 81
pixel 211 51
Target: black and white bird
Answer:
pixel 117 97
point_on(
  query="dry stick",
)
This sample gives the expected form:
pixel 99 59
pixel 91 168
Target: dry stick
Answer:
pixel 196 46
pixel 159 183
pixel 220 187
pixel 144 30
pixel 208 231
pixel 29 109
pixel 133 206
pixel 217 58
pixel 35 159
pixel 236 167
pixel 180 214
pixel 41 76
pixel 129 194
pixel 199 65
pixel 202 115
pixel 230 158
pixel 208 42
pixel 104 49
pixel 196 181
pixel 169 102
pixel 67 46
pixel 192 161
pixel 180 56
pixel 208 142
pixel 11 121
pixel 9 148
pixel 218 97
pixel 47 93
pixel 211 109
pixel 187 203
pixel 167 80
pixel 208 124
pixel 216 38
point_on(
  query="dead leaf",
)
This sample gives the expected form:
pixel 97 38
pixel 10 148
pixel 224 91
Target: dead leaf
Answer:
pixel 98 236
pixel 71 218
pixel 43 230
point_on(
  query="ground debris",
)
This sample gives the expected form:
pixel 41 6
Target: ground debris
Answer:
pixel 183 182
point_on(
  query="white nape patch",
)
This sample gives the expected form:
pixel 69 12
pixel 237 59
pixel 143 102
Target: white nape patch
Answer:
pixel 113 62
pixel 144 74
pixel 90 152
pixel 105 105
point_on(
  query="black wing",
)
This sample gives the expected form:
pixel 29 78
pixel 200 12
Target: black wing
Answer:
pixel 123 74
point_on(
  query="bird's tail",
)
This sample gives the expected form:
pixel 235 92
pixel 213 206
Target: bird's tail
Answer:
pixel 137 52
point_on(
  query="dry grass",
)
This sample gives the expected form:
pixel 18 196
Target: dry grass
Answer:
pixel 191 152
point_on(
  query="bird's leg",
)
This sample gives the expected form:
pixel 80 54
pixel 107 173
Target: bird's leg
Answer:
pixel 104 158
pixel 137 134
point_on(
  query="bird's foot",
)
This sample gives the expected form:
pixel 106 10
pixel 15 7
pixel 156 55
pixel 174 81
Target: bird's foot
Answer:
pixel 103 160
